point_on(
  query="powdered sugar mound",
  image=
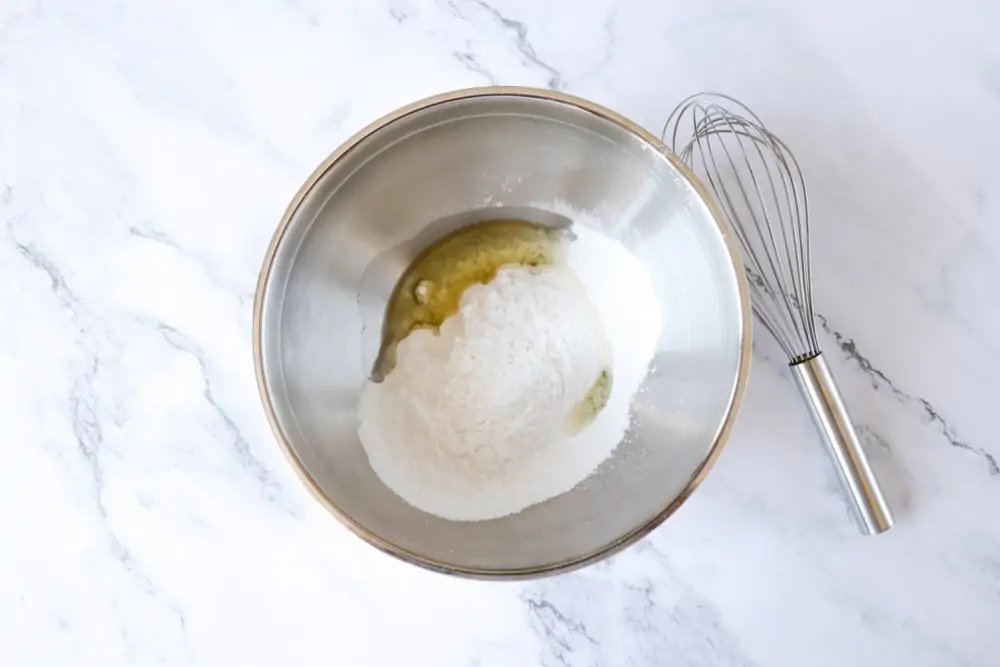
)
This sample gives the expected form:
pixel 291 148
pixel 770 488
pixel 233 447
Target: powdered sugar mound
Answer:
pixel 621 290
pixel 471 423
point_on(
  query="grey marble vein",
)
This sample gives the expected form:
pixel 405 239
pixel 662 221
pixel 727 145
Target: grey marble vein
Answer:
pixel 561 633
pixel 150 233
pixel 240 445
pixel 652 617
pixel 86 413
pixel 470 62
pixel 60 289
pixel 521 39
pixel 878 378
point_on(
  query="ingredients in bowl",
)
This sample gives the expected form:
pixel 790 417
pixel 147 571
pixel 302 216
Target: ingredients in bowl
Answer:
pixel 523 389
pixel 430 289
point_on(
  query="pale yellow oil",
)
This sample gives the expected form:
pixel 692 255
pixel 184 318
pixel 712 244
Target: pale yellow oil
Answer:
pixel 430 289
pixel 596 399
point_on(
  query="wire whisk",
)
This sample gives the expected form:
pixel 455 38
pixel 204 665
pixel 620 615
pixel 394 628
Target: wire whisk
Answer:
pixel 759 187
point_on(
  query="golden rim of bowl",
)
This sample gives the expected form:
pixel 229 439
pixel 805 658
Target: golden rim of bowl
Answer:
pixel 621 542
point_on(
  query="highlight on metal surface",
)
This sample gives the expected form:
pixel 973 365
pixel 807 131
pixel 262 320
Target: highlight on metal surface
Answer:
pixel 759 186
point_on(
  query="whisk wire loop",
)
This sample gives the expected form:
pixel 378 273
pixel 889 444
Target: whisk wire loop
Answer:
pixel 760 188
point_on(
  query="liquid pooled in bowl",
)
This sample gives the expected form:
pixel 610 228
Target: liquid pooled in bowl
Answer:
pixel 430 289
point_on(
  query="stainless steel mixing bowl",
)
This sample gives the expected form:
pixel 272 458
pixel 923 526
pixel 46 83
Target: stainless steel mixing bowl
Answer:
pixel 352 229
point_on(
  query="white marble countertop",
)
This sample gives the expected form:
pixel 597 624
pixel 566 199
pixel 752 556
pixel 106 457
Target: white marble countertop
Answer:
pixel 147 150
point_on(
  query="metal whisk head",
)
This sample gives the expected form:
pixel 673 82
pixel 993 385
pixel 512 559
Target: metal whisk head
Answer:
pixel 757 183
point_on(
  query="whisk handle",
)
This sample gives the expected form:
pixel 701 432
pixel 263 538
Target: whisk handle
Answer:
pixel 834 423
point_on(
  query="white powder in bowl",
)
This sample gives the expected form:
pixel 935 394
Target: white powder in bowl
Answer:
pixel 472 423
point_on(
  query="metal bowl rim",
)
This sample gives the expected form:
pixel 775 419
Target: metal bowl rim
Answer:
pixel 619 543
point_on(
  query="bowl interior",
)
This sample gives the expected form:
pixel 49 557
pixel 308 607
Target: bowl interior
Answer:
pixel 454 161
